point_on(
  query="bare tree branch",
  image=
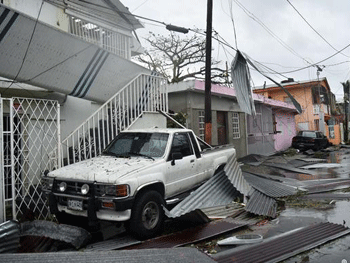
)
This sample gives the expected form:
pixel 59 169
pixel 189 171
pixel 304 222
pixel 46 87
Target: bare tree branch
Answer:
pixel 179 58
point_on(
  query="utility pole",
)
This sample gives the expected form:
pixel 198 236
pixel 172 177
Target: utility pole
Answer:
pixel 320 109
pixel 346 87
pixel 207 108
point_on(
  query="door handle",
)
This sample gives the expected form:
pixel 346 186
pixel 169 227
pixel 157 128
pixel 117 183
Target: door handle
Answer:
pixel 192 161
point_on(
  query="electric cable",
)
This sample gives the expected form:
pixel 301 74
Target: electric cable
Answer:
pixel 314 28
pixel 30 41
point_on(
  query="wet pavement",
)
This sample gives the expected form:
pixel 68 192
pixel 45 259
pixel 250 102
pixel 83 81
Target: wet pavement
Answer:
pixel 331 204
pixel 330 183
pixel 324 175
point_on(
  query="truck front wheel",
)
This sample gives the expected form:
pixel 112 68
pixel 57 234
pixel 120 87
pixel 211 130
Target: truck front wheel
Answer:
pixel 147 215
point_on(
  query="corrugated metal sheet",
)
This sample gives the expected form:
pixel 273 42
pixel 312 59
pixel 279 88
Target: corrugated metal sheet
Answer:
pixel 261 204
pixel 244 217
pixel 190 235
pixel 234 174
pixel 312 160
pixel 222 211
pixel 113 244
pixel 76 236
pixel 142 256
pixel 285 246
pixel 216 191
pixel 9 237
pixel 241 81
pixel 35 244
pixel 325 185
pixel 289 168
pixel 269 187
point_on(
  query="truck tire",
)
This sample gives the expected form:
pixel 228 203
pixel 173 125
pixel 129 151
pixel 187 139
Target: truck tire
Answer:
pixel 147 215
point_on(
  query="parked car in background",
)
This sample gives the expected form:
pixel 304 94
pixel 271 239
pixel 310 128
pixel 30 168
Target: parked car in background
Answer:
pixel 310 140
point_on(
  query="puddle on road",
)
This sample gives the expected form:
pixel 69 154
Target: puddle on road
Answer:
pixel 339 157
pixel 338 215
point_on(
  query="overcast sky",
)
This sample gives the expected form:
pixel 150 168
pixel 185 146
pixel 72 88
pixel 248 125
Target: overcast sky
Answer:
pixel 291 44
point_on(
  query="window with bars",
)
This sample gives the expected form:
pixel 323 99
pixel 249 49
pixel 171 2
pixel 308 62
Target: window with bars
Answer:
pixel 235 126
pixel 201 122
pixel 113 42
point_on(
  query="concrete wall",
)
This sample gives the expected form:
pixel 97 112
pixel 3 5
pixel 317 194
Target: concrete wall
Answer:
pixel 74 112
pixel 192 102
pixel 149 120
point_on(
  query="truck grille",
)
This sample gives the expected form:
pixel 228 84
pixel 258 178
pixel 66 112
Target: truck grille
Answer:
pixel 73 188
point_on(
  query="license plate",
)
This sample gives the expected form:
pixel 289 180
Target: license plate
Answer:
pixel 75 204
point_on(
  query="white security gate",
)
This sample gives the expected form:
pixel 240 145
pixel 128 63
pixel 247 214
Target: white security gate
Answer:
pixel 29 132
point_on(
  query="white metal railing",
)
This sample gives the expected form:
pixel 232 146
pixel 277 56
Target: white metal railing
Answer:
pixel 144 93
pixel 112 41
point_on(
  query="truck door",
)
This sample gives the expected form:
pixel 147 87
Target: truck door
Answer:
pixel 181 173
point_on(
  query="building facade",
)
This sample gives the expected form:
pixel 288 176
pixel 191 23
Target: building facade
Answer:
pixel 316 100
pixel 269 131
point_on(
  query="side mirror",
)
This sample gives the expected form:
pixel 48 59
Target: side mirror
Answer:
pixel 175 156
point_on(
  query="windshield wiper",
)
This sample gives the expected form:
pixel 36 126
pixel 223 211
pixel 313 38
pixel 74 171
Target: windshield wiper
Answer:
pixel 143 155
pixel 121 155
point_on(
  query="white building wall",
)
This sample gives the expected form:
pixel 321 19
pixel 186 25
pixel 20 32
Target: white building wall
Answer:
pixel 74 112
pixel 49 14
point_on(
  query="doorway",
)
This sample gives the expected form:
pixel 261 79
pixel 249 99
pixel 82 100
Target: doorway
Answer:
pixel 221 127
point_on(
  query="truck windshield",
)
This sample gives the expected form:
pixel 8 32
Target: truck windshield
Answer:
pixel 138 144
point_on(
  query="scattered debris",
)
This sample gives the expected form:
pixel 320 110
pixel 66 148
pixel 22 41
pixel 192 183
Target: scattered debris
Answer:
pixel 76 236
pixel 222 211
pixel 241 240
pixel 270 187
pixel 135 256
pixel 113 244
pixel 324 165
pixel 289 168
pixel 279 248
pixel 9 236
pixel 261 204
pixel 218 190
pixel 189 236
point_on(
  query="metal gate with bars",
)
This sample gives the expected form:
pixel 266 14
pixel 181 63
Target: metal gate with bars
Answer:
pixel 29 131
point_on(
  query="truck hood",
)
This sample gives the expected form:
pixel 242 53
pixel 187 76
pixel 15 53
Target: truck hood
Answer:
pixel 104 169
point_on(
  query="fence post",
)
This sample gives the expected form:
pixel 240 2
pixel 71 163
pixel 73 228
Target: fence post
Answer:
pixel 2 174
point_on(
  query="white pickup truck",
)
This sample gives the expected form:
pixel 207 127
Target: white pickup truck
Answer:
pixel 139 172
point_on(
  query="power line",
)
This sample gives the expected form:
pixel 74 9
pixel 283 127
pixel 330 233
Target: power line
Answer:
pixel 30 41
pixel 268 30
pixel 313 65
pixel 313 28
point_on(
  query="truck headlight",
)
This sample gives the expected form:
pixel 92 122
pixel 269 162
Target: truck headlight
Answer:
pixel 121 190
pixel 62 186
pixel 85 189
pixel 47 183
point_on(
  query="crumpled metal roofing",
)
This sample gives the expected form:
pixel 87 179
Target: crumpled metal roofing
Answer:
pixel 9 236
pixel 222 211
pixel 216 191
pixel 234 173
pixel 261 204
pixel 190 235
pixel 288 167
pixel 76 236
pixel 285 246
pixel 164 255
pixel 269 187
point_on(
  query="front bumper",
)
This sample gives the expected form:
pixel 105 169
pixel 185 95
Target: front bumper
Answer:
pixel 92 207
